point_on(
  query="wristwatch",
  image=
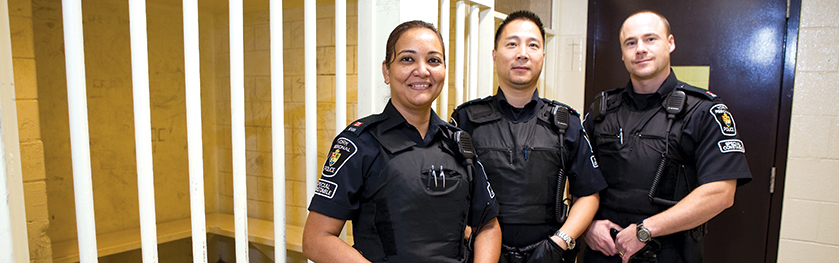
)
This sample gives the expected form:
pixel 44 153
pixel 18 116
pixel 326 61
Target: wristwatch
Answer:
pixel 568 240
pixel 643 233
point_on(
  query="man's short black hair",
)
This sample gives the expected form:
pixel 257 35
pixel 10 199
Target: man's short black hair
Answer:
pixel 520 15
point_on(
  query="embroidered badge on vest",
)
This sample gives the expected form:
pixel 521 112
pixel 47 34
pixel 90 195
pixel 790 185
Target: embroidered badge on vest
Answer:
pixel 724 119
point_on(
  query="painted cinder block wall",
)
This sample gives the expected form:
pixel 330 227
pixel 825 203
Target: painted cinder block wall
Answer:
pixel 811 198
pixel 29 128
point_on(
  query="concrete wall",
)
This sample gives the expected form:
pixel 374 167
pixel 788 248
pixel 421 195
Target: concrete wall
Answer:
pixel 31 145
pixel 811 197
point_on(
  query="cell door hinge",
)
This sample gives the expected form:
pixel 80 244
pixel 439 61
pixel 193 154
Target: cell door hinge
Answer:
pixel 772 181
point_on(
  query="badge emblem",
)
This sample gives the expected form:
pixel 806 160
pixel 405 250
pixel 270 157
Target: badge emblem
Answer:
pixel 334 157
pixel 342 150
pixel 724 119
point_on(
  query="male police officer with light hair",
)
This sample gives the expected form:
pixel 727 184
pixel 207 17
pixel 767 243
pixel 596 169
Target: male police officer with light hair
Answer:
pixel 670 152
pixel 532 148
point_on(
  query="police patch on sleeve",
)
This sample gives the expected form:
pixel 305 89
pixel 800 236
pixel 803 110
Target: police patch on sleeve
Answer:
pixel 732 145
pixel 326 188
pixel 342 150
pixel 724 119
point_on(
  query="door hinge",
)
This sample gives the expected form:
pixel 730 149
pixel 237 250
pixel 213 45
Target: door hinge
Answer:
pixel 772 181
pixel 788 3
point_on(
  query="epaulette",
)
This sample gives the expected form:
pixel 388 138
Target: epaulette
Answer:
pixel 698 92
pixel 360 125
pixel 557 103
pixel 604 102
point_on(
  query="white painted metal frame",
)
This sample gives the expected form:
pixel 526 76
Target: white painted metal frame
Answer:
pixel 142 128
pixel 340 65
pixel 14 246
pixel 444 28
pixel 79 136
pixel 195 148
pixel 278 127
pixel 311 99
pixel 237 127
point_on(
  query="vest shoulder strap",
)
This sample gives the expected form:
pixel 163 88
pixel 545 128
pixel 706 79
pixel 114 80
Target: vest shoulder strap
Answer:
pixel 560 104
pixel 479 110
pixel 605 102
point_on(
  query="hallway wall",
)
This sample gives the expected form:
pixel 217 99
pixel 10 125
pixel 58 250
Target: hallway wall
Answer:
pixel 811 195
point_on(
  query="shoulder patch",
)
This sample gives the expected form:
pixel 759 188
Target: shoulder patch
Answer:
pixel 702 93
pixel 731 145
pixel 342 150
pixel 326 188
pixel 360 125
pixel 724 119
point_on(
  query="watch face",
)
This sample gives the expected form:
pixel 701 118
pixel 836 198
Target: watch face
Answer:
pixel 643 235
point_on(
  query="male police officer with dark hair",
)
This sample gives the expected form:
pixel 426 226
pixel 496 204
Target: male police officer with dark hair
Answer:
pixel 532 148
pixel 669 151
pixel 408 180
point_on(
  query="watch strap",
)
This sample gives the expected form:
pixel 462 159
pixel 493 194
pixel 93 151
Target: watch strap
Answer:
pixel 569 241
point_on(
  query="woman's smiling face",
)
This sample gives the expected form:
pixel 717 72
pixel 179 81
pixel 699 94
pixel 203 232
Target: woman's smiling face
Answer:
pixel 417 70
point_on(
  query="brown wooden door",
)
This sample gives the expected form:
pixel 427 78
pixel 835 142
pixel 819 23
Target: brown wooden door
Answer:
pixel 743 42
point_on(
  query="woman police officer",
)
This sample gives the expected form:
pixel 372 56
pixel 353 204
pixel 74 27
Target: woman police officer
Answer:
pixel 404 176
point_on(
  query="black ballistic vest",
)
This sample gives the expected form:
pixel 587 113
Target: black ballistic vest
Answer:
pixel 415 213
pixel 521 160
pixel 629 146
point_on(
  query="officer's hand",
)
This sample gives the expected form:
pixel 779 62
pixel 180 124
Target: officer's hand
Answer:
pixel 546 251
pixel 627 243
pixel 559 242
pixel 598 237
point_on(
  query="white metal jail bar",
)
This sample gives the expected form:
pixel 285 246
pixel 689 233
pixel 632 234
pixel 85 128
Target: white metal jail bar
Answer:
pixel 445 18
pixel 340 65
pixel 142 128
pixel 474 40
pixel 237 127
pixel 341 73
pixel 79 136
pixel 6 242
pixel 459 49
pixel 14 246
pixel 278 127
pixel 310 68
pixel 195 147
pixel 485 46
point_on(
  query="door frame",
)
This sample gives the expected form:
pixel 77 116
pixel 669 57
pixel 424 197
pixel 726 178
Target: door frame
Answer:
pixel 782 138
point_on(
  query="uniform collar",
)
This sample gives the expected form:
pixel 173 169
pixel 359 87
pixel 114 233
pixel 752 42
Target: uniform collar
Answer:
pixel 647 101
pixel 517 114
pixel 396 121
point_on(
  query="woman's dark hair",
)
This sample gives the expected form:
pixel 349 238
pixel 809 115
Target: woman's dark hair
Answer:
pixel 401 29
pixel 520 15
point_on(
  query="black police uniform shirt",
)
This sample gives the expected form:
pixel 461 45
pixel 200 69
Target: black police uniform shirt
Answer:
pixel 358 172
pixel 581 169
pixel 705 140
